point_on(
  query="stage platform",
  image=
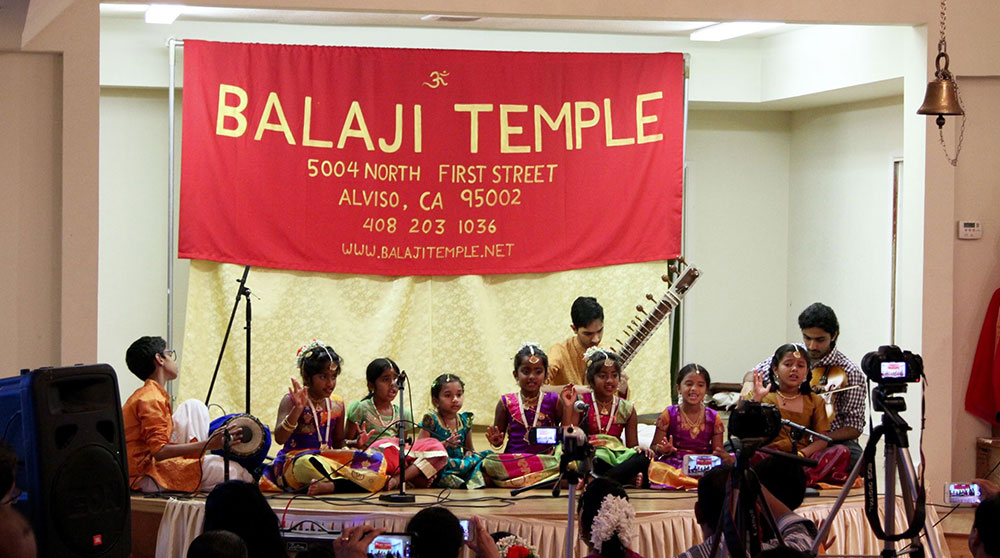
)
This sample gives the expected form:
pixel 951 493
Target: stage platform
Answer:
pixel 666 523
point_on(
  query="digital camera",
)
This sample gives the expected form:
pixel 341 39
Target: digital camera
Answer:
pixel 892 365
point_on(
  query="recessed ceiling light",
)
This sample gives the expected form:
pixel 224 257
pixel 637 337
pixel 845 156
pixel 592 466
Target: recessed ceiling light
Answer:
pixel 164 14
pixel 450 18
pixel 732 29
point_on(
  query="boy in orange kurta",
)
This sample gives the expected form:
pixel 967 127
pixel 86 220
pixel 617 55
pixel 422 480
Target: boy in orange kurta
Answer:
pixel 161 457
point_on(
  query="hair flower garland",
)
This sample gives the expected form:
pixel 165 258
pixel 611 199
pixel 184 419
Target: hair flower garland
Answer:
pixel 615 516
pixel 515 547
pixel 306 351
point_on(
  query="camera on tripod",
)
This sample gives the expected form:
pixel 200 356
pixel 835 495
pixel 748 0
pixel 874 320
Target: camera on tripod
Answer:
pixel 575 446
pixel 890 365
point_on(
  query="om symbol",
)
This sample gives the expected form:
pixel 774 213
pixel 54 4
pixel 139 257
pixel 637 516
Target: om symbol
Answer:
pixel 437 79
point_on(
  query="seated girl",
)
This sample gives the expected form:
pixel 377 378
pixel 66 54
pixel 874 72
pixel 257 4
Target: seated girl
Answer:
pixel 452 428
pixel 790 392
pixel 424 458
pixel 310 427
pixel 689 428
pixel 608 416
pixel 522 462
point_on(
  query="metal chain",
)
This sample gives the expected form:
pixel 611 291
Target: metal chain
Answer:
pixel 942 47
pixel 961 133
pixel 944 9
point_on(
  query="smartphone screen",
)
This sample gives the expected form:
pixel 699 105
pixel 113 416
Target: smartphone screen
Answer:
pixel 390 545
pixel 546 435
pixel 698 465
pixel 958 493
pixel 465 528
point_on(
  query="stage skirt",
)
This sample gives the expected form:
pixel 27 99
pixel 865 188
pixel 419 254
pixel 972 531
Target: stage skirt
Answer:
pixel 515 470
pixel 294 471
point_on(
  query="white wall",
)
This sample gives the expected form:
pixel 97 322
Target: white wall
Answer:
pixel 840 222
pixel 132 282
pixel 736 232
pixel 977 262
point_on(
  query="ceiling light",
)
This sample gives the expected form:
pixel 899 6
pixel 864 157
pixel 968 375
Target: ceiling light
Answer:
pixel 163 13
pixel 732 29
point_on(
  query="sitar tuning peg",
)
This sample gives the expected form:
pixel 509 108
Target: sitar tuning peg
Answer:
pixel 665 278
pixel 620 344
pixel 638 307
pixel 672 268
pixel 650 297
pixel 681 260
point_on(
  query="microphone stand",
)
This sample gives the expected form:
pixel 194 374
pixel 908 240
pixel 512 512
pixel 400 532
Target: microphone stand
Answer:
pixel 243 291
pixel 402 497
pixel 798 431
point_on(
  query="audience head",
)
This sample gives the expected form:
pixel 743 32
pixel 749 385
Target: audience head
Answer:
pixel 16 537
pixel 240 507
pixel 217 544
pixel 436 533
pixel 984 541
pixel 144 354
pixel 607 519
pixel 588 321
pixel 787 358
pixel 784 479
pixel 711 493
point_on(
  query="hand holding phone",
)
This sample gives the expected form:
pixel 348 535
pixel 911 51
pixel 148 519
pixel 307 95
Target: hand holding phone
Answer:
pixel 468 530
pixel 355 541
pixel 963 493
pixel 390 545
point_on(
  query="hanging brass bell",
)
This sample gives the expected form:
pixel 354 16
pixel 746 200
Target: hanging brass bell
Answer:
pixel 942 93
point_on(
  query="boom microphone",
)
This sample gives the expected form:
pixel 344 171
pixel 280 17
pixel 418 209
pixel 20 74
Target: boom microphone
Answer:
pixel 580 407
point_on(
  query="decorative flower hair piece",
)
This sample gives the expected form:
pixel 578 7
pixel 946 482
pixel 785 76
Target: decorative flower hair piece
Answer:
pixel 615 516
pixel 514 546
pixel 445 379
pixel 531 346
pixel 594 353
pixel 309 349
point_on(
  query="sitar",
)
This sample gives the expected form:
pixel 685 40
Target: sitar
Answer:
pixel 644 324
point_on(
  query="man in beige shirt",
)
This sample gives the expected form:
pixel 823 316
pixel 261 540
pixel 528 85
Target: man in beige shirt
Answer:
pixel 566 365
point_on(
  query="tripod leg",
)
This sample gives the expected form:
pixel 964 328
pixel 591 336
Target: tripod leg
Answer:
pixel 889 511
pixel 908 477
pixel 836 505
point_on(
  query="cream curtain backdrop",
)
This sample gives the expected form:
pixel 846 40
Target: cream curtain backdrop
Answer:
pixel 468 325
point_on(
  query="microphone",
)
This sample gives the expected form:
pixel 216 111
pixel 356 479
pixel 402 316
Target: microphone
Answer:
pixel 401 379
pixel 580 407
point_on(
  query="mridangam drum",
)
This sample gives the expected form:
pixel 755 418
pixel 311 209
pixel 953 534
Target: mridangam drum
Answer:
pixel 252 449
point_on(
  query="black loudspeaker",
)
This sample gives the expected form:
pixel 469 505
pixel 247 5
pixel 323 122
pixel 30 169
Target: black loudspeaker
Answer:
pixel 66 426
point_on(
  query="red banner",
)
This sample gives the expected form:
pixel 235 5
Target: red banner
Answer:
pixel 429 162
